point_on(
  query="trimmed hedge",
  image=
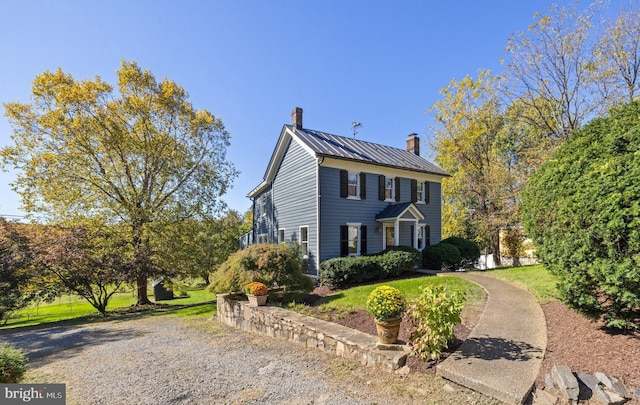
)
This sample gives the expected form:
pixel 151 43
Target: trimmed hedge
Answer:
pixel 344 271
pixel 441 256
pixel 469 250
pixel 417 255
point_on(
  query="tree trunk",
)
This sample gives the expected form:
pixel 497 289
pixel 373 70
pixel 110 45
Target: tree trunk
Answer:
pixel 495 246
pixel 141 283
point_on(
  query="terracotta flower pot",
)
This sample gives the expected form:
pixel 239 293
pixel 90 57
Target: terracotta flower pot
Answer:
pixel 388 330
pixel 257 300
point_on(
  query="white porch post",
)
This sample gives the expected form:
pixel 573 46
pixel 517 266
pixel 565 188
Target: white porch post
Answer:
pixel 396 233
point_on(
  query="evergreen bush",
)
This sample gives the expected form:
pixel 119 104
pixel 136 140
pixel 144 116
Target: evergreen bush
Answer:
pixel 469 250
pixel 582 210
pixel 441 256
pixel 13 364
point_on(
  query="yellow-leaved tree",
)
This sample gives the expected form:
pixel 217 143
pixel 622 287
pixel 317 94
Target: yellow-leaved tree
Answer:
pixel 139 155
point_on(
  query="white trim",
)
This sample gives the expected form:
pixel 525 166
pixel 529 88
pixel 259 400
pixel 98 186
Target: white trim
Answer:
pixel 307 242
pixel 318 202
pixel 359 236
pixel 369 168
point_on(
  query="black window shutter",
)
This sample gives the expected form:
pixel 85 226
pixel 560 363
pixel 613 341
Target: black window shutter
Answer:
pixel 427 235
pixel 426 192
pixel 381 188
pixel 397 189
pixel 412 235
pixel 363 186
pixel 344 240
pixel 414 190
pixel 363 239
pixel 344 183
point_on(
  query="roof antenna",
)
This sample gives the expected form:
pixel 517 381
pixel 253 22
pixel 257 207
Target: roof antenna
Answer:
pixel 354 128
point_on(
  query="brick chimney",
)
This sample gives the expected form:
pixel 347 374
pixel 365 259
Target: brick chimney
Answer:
pixel 413 144
pixel 296 117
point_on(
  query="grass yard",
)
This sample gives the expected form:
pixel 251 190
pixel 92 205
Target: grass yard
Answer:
pixel 536 279
pixel 354 299
pixel 70 307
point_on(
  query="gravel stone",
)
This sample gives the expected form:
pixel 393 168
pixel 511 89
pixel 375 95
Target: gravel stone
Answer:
pixel 160 361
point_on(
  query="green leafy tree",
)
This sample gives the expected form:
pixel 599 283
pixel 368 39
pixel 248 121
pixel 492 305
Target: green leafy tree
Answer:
pixel 198 247
pixel 140 155
pixel 16 269
pixel 90 261
pixel 581 209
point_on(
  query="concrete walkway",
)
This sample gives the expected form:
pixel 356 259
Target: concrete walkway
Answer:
pixel 502 356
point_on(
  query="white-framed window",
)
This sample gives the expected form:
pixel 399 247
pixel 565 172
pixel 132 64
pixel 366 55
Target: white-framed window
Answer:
pixel 421 238
pixel 281 233
pixel 420 192
pixel 389 189
pixel 304 241
pixel 353 241
pixel 263 204
pixel 353 185
pixel 263 238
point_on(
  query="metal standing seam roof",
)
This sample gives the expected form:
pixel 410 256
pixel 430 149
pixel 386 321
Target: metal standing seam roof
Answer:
pixel 341 147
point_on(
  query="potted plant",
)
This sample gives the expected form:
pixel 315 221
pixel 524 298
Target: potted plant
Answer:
pixel 387 304
pixel 257 293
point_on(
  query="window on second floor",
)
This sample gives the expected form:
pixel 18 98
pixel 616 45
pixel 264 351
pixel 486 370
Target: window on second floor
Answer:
pixel 420 191
pixel 353 185
pixel 389 189
pixel 263 204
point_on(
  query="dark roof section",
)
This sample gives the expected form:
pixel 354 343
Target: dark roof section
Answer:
pixel 392 211
pixel 324 144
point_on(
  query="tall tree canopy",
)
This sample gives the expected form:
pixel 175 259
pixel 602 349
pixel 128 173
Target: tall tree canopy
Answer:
pixel 469 139
pixel 140 154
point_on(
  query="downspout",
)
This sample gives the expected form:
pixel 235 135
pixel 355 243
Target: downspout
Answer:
pixel 272 229
pixel 319 161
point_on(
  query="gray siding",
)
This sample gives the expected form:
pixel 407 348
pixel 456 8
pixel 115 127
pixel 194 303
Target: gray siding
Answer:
pixel 263 219
pixel 294 199
pixel 336 211
pixel 433 212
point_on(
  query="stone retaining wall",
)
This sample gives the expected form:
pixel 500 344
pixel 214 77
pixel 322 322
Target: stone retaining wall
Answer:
pixel 234 310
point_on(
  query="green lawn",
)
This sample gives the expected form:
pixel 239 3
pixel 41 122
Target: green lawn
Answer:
pixel 536 279
pixel 354 298
pixel 73 307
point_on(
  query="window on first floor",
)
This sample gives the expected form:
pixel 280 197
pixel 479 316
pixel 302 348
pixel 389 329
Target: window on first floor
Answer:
pixel 420 238
pixel 353 239
pixel 304 241
pixel 281 236
pixel 263 238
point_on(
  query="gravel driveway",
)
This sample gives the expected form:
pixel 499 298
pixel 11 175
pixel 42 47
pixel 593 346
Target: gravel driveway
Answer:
pixel 164 361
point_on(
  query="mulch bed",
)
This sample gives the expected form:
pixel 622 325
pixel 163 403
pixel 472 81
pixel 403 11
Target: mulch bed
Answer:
pixel 572 340
pixel 586 347
pixel 362 321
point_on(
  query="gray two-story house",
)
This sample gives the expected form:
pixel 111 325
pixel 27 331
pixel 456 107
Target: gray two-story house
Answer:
pixel 338 196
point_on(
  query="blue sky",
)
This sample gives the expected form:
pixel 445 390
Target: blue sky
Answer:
pixel 251 62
